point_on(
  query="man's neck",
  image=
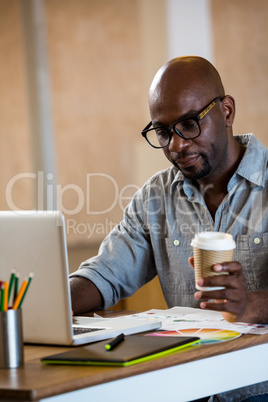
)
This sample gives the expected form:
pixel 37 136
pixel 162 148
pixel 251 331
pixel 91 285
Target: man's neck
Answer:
pixel 215 187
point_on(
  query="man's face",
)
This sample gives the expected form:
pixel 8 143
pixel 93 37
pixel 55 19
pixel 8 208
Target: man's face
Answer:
pixel 205 156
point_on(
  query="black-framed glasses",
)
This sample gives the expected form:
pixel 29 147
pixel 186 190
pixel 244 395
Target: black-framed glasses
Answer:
pixel 187 128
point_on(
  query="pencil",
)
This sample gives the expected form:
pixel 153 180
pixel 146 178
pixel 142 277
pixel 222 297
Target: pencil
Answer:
pixel 2 296
pixel 20 294
pixel 5 296
pixel 28 284
pixel 16 287
pixel 11 281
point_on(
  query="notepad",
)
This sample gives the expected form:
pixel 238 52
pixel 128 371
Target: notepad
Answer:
pixel 134 349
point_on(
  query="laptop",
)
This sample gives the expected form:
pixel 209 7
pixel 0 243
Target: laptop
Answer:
pixel 35 241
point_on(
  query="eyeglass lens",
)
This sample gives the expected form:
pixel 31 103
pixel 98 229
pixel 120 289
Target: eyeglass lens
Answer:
pixel 160 136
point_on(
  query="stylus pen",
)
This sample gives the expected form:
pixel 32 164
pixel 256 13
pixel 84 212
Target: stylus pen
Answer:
pixel 114 342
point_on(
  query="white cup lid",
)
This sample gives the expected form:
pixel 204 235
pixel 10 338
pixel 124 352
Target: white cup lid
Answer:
pixel 213 241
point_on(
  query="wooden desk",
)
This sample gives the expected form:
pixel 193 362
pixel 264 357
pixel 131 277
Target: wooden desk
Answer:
pixel 189 374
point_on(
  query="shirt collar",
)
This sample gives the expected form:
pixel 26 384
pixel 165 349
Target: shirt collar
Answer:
pixel 253 164
pixel 179 177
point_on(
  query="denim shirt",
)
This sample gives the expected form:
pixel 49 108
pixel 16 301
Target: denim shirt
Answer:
pixel 161 220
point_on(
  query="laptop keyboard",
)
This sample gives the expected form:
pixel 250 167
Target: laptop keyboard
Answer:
pixel 84 330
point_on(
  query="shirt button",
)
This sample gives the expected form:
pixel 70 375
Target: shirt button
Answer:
pixel 257 240
pixel 176 243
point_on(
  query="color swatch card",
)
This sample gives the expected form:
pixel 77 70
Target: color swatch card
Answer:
pixel 206 335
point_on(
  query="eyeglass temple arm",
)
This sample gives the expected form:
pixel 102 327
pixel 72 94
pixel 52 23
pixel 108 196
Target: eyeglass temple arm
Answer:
pixel 148 126
pixel 202 114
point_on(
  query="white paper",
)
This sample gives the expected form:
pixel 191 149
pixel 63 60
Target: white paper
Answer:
pixel 177 318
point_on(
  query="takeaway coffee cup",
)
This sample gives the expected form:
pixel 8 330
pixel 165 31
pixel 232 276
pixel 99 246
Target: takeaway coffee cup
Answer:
pixel 211 248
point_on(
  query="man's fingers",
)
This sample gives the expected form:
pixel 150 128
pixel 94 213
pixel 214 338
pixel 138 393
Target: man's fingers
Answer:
pixel 191 261
pixel 232 267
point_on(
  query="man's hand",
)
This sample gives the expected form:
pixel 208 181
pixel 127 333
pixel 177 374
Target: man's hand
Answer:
pixel 231 301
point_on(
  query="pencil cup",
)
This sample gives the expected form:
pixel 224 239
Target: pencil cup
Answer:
pixel 211 248
pixel 11 339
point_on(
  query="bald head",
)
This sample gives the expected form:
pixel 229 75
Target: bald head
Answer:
pixel 182 78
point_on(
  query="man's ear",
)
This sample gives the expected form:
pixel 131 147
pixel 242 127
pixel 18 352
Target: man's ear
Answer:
pixel 228 109
pixel 191 261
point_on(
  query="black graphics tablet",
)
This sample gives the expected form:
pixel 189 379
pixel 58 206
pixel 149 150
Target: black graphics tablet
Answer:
pixel 134 349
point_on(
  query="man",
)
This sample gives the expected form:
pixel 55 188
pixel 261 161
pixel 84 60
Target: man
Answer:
pixel 218 182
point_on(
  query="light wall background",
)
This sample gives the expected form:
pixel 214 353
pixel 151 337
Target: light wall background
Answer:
pixel 98 58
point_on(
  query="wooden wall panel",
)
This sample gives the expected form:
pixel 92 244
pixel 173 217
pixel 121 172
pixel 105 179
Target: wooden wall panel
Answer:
pixel 96 70
pixel 103 55
pixel 240 33
pixel 15 145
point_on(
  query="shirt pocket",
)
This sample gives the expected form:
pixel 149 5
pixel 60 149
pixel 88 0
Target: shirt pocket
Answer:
pixel 252 252
pixel 178 274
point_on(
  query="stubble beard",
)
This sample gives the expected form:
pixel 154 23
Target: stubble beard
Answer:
pixel 193 174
